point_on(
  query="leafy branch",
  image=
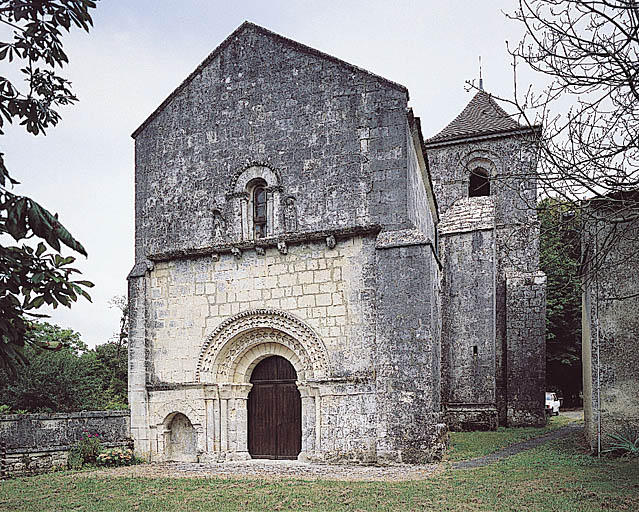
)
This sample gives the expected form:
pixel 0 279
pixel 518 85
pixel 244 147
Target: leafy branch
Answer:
pixel 31 278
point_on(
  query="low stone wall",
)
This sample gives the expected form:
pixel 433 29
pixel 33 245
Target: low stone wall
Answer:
pixel 471 417
pixel 33 443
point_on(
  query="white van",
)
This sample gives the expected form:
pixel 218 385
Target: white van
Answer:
pixel 552 404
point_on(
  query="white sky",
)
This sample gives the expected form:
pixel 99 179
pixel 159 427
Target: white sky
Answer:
pixel 140 50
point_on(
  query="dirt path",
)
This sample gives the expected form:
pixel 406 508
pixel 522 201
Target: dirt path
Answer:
pixel 516 448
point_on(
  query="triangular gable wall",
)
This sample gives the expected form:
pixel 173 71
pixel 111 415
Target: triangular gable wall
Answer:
pixel 267 33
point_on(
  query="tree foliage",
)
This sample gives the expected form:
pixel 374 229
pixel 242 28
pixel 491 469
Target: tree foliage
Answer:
pixel 559 258
pixel 32 277
pixel 73 378
pixel 587 51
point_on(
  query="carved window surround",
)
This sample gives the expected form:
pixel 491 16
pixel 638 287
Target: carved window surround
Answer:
pixel 240 198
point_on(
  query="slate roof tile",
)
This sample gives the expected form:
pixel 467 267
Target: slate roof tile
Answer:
pixel 480 117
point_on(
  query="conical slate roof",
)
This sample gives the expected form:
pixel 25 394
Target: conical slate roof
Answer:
pixel 481 116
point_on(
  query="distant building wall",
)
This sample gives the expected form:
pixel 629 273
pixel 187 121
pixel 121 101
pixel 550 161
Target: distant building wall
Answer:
pixel 610 321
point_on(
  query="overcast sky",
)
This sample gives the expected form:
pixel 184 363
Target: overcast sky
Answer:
pixel 140 50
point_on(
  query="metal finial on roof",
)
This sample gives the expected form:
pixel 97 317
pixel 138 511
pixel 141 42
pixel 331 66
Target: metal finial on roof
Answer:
pixel 481 80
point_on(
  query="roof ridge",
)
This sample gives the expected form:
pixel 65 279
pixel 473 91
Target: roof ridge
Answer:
pixel 219 48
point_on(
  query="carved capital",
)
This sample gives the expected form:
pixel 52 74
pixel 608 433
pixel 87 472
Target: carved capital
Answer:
pixel 228 390
pixel 306 390
pixel 210 392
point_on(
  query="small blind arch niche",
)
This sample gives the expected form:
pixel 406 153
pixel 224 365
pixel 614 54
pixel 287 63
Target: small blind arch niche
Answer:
pixel 256 197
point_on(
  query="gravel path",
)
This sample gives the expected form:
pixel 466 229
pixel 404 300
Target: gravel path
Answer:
pixel 516 448
pixel 270 470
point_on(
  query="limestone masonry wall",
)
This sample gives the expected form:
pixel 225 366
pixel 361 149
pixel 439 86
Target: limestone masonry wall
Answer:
pixel 610 325
pixel 39 442
pixel 335 136
pixel 468 361
pixel 330 289
pixel 526 361
pixel 407 356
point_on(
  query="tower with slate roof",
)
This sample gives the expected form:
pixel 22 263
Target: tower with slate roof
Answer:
pixel 483 167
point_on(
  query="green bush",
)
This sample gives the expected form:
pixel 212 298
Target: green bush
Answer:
pixel 85 452
pixel 624 444
pixel 74 460
pixel 74 378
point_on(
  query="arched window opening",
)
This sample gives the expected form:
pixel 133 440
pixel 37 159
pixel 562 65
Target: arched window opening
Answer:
pixel 479 183
pixel 259 200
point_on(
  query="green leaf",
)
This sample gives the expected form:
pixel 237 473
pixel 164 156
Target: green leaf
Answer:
pixel 41 249
pixel 88 284
pixel 16 219
pixel 36 303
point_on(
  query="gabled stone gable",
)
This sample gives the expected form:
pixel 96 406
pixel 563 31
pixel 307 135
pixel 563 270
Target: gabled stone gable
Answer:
pixel 334 135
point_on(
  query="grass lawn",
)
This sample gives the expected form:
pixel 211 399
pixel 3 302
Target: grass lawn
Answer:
pixel 468 445
pixel 556 476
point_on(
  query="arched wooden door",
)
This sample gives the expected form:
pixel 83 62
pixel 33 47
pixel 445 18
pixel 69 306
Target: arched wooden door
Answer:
pixel 274 411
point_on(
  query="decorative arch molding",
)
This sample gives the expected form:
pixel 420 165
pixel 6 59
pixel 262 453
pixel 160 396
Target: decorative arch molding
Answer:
pixel 481 158
pixel 240 342
pixel 165 413
pixel 251 171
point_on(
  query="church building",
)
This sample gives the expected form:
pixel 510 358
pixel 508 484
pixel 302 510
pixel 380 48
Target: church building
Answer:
pixel 314 280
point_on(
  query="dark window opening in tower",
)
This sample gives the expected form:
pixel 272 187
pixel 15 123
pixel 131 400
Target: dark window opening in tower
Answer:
pixel 479 183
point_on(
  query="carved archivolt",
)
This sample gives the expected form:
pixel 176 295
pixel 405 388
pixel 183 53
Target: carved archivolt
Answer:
pixel 251 171
pixel 240 342
pixel 162 413
pixel 483 158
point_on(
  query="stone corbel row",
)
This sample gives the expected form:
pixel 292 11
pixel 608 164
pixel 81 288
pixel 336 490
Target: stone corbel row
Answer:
pixel 281 242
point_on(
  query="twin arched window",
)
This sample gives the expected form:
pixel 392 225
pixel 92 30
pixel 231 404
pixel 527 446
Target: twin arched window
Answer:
pixel 479 184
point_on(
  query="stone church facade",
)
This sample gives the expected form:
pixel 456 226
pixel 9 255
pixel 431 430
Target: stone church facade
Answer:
pixel 290 295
